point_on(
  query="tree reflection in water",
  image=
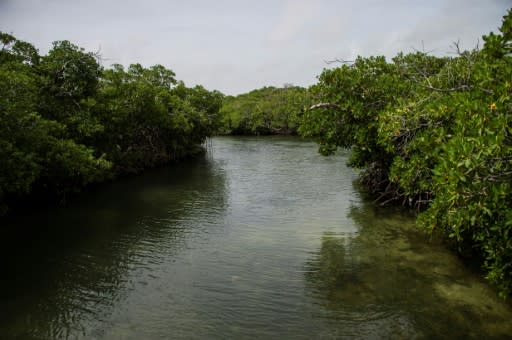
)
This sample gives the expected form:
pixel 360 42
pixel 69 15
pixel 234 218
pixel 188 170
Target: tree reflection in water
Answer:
pixel 89 255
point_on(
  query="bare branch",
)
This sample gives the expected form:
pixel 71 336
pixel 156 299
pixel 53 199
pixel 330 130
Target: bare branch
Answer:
pixel 422 49
pixel 324 106
pixel 456 44
pixel 341 61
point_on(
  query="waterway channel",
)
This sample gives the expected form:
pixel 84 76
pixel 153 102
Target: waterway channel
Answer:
pixel 262 238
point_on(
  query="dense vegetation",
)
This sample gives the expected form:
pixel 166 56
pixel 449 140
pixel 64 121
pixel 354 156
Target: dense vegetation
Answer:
pixel 268 110
pixel 66 122
pixel 432 133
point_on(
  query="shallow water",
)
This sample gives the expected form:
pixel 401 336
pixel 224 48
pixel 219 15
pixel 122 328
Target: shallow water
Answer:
pixel 262 238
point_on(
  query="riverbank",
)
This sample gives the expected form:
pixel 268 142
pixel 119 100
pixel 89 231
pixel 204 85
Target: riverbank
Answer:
pixel 71 123
pixel 38 202
pixel 431 133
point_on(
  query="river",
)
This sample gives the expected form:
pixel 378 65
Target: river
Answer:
pixel 260 238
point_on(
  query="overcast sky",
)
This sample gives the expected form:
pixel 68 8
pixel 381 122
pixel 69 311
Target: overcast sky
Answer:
pixel 236 46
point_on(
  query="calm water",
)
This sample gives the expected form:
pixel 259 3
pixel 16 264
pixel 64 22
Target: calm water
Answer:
pixel 263 238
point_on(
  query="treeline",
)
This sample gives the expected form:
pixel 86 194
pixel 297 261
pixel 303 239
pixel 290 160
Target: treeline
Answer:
pixel 434 134
pixel 66 122
pixel 264 111
pixel 430 133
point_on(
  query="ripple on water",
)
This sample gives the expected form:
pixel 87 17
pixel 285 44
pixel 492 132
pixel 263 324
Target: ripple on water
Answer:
pixel 264 238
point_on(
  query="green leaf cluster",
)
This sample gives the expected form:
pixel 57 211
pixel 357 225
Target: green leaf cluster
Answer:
pixel 66 122
pixel 433 133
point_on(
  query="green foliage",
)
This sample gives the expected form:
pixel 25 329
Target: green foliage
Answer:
pixel 33 150
pixel 472 181
pixel 434 133
pixel 149 118
pixel 65 122
pixel 268 110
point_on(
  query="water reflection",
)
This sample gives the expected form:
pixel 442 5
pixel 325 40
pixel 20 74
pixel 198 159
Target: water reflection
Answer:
pixel 263 239
pixel 88 256
pixel 389 280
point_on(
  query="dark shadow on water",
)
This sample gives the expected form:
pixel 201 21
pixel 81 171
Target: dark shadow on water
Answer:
pixel 67 265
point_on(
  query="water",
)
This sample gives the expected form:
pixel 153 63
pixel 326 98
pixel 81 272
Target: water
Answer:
pixel 262 238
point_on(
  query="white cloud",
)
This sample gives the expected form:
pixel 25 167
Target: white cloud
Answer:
pixel 238 45
pixel 295 17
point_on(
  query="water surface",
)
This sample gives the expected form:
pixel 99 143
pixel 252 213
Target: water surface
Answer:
pixel 261 238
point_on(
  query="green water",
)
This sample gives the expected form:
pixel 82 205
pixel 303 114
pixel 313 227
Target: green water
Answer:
pixel 262 238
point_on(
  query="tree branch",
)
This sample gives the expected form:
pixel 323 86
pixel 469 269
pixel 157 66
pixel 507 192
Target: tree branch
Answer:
pixel 325 106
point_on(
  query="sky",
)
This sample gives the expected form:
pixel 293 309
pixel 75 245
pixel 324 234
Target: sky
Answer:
pixel 235 46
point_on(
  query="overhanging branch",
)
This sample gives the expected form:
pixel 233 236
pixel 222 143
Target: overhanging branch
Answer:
pixel 325 106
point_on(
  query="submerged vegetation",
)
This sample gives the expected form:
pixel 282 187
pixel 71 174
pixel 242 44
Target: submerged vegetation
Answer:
pixel 434 134
pixel 66 122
